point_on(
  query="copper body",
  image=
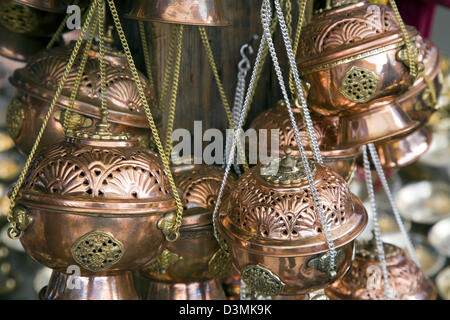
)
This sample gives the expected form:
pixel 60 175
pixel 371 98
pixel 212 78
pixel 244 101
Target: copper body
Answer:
pixel 103 195
pixel 365 280
pixel 349 37
pixel 188 12
pixel 417 102
pixel 275 226
pixel 341 161
pixel 189 278
pixel 202 290
pixel 37 83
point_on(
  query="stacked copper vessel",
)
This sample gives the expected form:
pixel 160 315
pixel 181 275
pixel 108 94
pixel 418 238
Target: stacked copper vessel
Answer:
pixel 365 280
pixel 38 80
pixel 96 205
pixel 273 232
pixel 355 60
pixel 184 271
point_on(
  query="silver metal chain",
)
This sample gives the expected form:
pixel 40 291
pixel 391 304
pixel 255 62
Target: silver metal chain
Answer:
pixel 376 225
pixel 291 57
pixel 244 67
pixel 236 134
pixel 398 218
pixel 266 13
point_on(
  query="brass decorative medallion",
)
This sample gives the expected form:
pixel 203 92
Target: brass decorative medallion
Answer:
pixel 359 84
pixel 97 251
pixel 322 262
pixel 163 262
pixel 76 120
pixel 262 281
pixel 17 18
pixel 14 117
pixel 220 265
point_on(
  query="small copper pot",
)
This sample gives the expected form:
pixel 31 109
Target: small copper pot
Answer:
pixel 274 235
pixel 183 272
pixel 342 161
pixel 36 84
pixel 365 280
pixel 94 207
pixel 352 55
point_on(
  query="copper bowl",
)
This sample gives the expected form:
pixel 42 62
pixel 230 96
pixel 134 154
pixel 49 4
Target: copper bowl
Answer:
pixel 342 161
pixel 36 84
pixel 273 232
pixel 365 280
pixel 94 205
pixel 191 254
pixel 352 56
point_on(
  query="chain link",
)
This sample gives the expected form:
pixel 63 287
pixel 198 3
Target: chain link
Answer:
pixel 301 18
pixel 174 93
pixel 146 52
pixel 168 67
pixel 65 75
pixel 101 35
pixel 166 162
pixel 266 12
pixel 409 46
pixel 76 86
pixel 222 94
pixel 376 225
pixel 398 218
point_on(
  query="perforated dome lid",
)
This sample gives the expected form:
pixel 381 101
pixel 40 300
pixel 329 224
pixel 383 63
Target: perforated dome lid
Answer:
pixel 43 72
pixel 278 207
pixel 98 176
pixel 348 30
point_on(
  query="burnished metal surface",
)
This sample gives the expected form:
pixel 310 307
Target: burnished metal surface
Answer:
pixel 189 12
pixel 401 151
pixel 276 227
pixel 365 280
pixel 112 287
pixel 110 194
pixel 205 290
pixel 350 56
pixel 424 202
pixel 374 121
pixel 443 283
pixel 188 263
pixel 37 82
pixel 342 161
pixel 439 236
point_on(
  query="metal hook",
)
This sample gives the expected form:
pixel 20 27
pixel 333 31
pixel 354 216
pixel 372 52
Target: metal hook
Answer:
pixel 244 65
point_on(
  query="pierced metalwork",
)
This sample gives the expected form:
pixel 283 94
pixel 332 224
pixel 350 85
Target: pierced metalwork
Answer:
pixel 359 84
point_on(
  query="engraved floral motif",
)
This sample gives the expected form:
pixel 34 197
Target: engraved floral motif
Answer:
pixel 115 173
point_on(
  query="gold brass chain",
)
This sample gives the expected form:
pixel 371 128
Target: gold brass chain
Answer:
pixel 145 51
pixel 222 94
pixel 174 93
pixel 168 68
pixel 101 36
pixel 174 234
pixel 76 86
pixel 14 231
pixel 409 46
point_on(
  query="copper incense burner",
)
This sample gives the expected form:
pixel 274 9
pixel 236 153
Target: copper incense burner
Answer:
pixel 365 280
pixel 38 80
pixel 274 235
pixel 342 161
pixel 94 205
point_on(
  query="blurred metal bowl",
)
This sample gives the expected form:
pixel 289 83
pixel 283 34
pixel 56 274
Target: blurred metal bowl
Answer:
pixel 443 283
pixel 424 202
pixel 439 236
